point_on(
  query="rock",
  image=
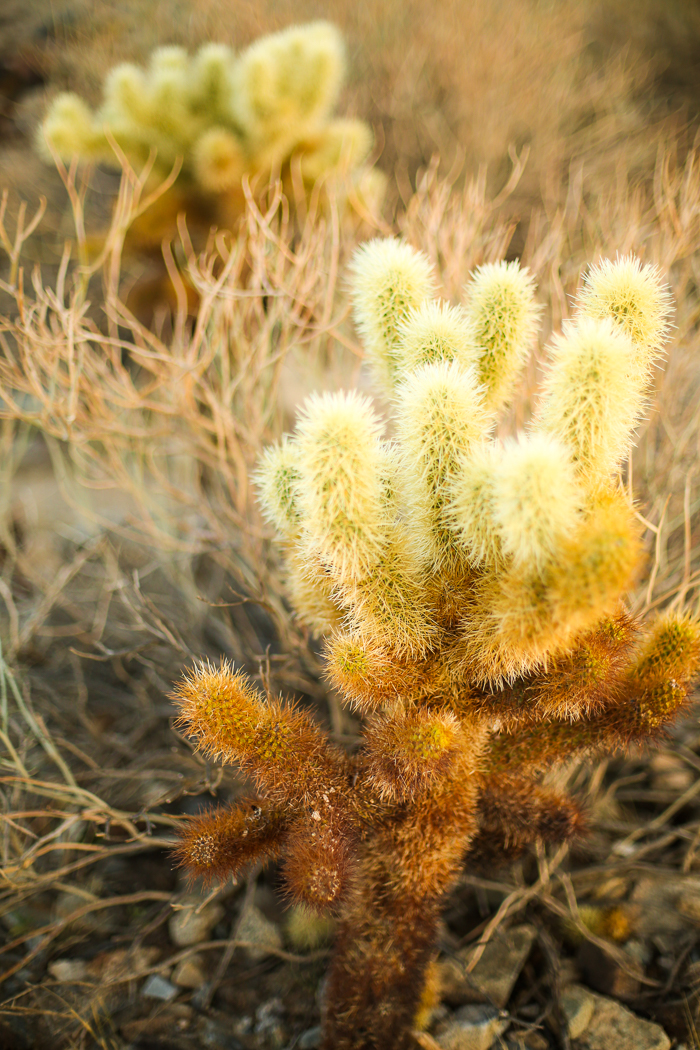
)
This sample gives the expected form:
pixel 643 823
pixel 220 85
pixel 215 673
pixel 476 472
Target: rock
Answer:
pixel 189 973
pixel 473 1027
pixel 494 975
pixel 68 969
pixel 614 1027
pixel 191 923
pixel 157 987
pixel 577 1005
pixel 604 974
pixel 659 900
pixel 310 1039
pixel 258 933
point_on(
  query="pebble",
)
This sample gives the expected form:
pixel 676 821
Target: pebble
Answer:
pixel 189 973
pixel 613 1027
pixel 577 1004
pixel 191 924
pixel 157 987
pixel 496 972
pixel 68 969
pixel 659 900
pixel 473 1027
pixel 605 975
pixel 259 933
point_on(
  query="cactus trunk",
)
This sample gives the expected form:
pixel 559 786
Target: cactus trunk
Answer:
pixel 382 952
pixel 388 924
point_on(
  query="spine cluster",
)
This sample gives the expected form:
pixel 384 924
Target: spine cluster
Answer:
pixel 471 593
pixel 224 115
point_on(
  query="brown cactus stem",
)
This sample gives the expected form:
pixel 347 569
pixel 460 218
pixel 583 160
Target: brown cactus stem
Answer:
pixel 382 952
pixel 514 813
pixel 389 921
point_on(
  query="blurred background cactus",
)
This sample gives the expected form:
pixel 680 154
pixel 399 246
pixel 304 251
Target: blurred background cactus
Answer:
pixel 221 119
pixel 471 591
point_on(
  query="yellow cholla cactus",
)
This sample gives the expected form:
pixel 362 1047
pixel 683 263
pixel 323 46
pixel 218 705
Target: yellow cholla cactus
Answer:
pixel 471 591
pixel 535 532
pixel 225 115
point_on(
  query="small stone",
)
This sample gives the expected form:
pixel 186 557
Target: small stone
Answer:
pixel 496 972
pixel 68 969
pixel 577 1004
pixel 258 934
pixel 189 973
pixel 157 987
pixel 657 899
pixel 310 1039
pixel 472 1027
pixel 614 1026
pixel 604 974
pixel 191 924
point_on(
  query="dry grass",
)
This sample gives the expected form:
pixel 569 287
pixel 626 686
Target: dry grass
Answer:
pixel 173 418
pixel 148 437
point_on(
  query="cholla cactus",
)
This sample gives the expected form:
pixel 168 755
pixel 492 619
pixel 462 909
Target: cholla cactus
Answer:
pixel 225 116
pixel 471 592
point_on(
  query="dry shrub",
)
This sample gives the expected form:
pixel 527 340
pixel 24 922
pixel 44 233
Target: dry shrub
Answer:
pixel 173 419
